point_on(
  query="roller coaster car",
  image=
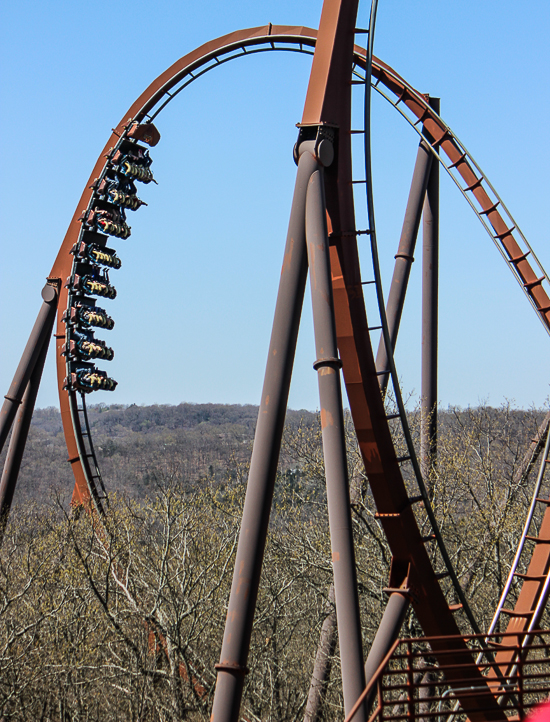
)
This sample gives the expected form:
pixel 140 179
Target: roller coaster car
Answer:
pixel 92 280
pixel 133 153
pixel 96 254
pixel 124 200
pixel 133 161
pixel 88 378
pixel 139 172
pixel 120 191
pixel 87 314
pixel 112 181
pixel 109 219
pixel 88 236
pixel 83 345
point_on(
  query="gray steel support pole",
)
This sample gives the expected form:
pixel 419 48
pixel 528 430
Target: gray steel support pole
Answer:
pixel 323 663
pixel 265 455
pixel 41 330
pixel 430 282
pixel 327 639
pixel 405 256
pixel 18 439
pixel 388 630
pixel 426 693
pixel 328 366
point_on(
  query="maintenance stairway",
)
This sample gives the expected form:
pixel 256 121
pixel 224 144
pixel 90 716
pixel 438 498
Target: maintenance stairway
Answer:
pixel 411 685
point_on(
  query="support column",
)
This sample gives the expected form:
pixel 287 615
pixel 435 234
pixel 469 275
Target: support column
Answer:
pixel 40 332
pixel 265 455
pixel 388 631
pixel 334 448
pixel 18 439
pixel 323 663
pixel 405 256
pixel 430 282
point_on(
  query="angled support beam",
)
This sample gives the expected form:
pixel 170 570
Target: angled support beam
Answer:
pixel 388 631
pixel 430 290
pixel 328 367
pixel 326 109
pixel 18 439
pixel 323 663
pixel 39 335
pixel 405 256
pixel 265 455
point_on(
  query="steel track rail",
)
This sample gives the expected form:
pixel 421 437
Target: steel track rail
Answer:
pixel 475 187
pixel 527 528
pixel 394 505
pixel 411 452
pixel 505 662
pixel 470 199
pixel 161 91
pixel 536 582
pixel 535 588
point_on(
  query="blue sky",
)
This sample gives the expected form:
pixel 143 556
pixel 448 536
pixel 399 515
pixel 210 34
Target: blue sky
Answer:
pixel 197 287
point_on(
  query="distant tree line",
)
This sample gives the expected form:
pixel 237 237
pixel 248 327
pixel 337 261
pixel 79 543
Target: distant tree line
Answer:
pixel 133 442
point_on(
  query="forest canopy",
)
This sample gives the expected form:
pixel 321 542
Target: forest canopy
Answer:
pixel 128 625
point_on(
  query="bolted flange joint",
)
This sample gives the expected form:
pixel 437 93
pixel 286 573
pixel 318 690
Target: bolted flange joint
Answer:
pixel 331 361
pixel 49 292
pixel 232 667
pixel 322 137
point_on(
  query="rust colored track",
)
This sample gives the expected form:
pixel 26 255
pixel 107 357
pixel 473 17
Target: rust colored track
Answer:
pixel 507 237
pixel 394 506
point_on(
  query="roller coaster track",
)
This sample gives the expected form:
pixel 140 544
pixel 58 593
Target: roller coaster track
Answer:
pixel 540 446
pixel 532 555
pixel 400 513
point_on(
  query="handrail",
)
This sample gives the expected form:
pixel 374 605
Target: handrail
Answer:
pixel 402 683
pixel 374 680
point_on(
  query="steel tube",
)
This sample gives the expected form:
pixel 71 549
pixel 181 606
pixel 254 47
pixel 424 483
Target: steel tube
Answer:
pixel 265 455
pixel 18 439
pixel 334 447
pixel 323 663
pixel 404 256
pixel 41 330
pixel 430 283
pixel 388 631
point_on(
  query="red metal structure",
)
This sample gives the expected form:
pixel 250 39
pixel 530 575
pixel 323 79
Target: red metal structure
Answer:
pixel 322 238
pixel 407 686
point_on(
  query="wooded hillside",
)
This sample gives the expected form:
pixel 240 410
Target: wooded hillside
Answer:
pixel 134 443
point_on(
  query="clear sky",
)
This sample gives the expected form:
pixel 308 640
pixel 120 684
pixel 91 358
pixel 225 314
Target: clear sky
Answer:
pixel 198 283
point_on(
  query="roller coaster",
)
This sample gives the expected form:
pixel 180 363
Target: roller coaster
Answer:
pixel 484 679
